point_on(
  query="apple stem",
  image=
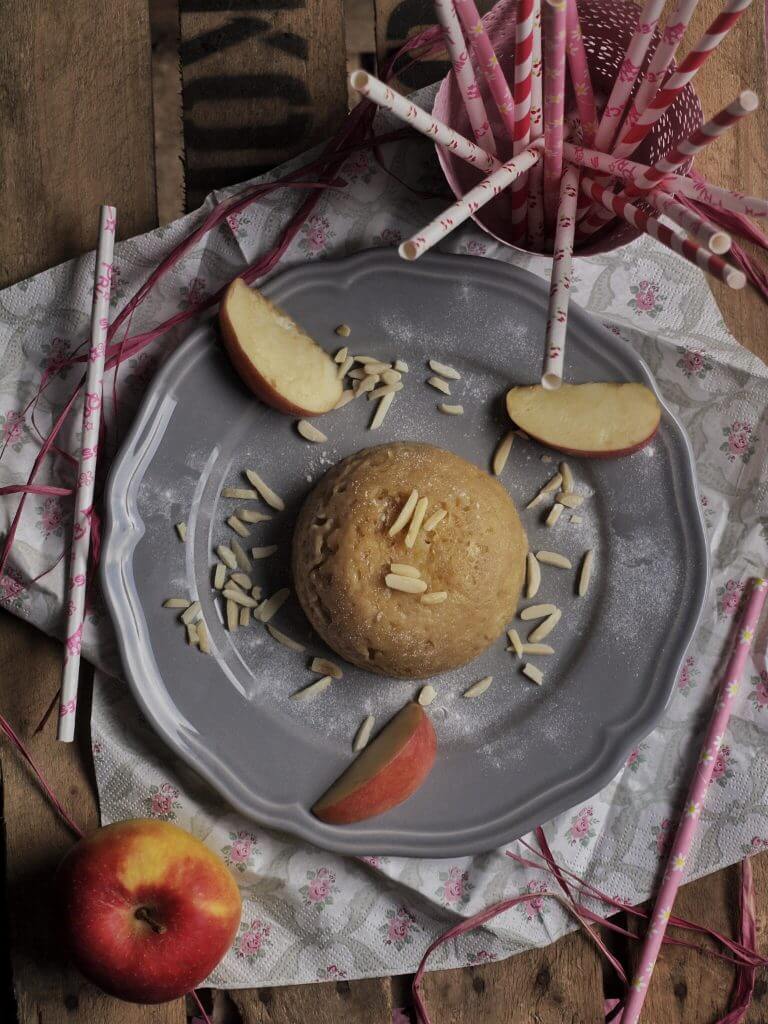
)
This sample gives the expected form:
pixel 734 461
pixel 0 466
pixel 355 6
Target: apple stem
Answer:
pixel 144 914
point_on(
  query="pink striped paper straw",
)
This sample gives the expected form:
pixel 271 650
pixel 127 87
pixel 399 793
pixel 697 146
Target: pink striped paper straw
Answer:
pixel 685 247
pixel 560 281
pixel 535 175
pixel 489 63
pixel 704 231
pixel 697 794
pixel 470 203
pixel 465 75
pixel 86 474
pixel 518 214
pixel 579 70
pixel 554 101
pixel 663 55
pixel 627 74
pixel 380 94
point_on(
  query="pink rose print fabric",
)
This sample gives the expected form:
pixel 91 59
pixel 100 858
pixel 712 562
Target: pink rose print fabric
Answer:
pixel 319 889
pixel 162 802
pixel 14 432
pixel 723 769
pixel 316 235
pixel 687 678
pixel 662 834
pixel 647 299
pixel 636 758
pixel 694 363
pixel 582 828
pixel 240 851
pixel 253 940
pixel 730 597
pixel 739 444
pixel 13 592
pixel 455 887
pixel 758 695
pixel 537 907
pixel 399 928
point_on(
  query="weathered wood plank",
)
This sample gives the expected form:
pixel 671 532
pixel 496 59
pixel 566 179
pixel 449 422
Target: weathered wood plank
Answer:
pixel 262 80
pixel 356 1002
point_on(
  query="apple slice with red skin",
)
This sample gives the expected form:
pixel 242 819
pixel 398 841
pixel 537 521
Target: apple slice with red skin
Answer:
pixel 273 356
pixel 600 421
pixel 390 769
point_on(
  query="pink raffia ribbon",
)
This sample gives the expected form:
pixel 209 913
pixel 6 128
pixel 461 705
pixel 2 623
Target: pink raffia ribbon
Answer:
pixel 688 824
pixel 86 474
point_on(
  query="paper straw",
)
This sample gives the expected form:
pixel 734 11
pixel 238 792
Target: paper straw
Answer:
pixel 685 247
pixel 625 80
pixel 560 281
pixel 578 66
pixel 86 474
pixel 698 227
pixel 476 198
pixel 697 794
pixel 554 101
pixel 465 75
pixel 518 214
pixel 535 175
pixel 489 63
pixel 658 69
pixel 437 130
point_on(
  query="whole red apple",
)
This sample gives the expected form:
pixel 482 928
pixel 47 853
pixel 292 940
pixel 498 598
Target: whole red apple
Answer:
pixel 148 910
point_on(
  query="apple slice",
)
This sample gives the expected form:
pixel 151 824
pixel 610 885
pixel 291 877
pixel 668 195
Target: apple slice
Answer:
pixel 274 357
pixel 386 773
pixel 598 420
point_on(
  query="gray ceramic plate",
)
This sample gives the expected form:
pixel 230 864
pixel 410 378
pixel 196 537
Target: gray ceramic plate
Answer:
pixel 508 760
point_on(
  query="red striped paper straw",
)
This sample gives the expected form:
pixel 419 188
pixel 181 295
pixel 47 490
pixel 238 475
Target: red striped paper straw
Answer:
pixel 381 94
pixel 86 473
pixel 465 75
pixel 489 63
pixel 715 238
pixel 535 175
pixel 554 101
pixel 685 247
pixel 560 281
pixel 688 823
pixel 470 203
pixel 580 77
pixel 518 214
pixel 625 80
pixel 663 56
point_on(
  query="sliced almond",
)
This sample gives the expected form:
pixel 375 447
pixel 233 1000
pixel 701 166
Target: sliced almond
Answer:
pixel 568 482
pixel 586 572
pixel 363 734
pixel 569 500
pixel 176 602
pixel 501 454
pixel 284 639
pixel 431 522
pixel 405 584
pixel 377 368
pixel 342 354
pixel 192 638
pixel 517 644
pixel 404 515
pixel 219 575
pixel 537 611
pixel 326 668
pixel 241 580
pixel 434 597
pixel 545 628
pixel 239 597
pixel 248 516
pixel 401 569
pixel 313 690
pixel 240 528
pixel 576 520
pixel 233 615
pixel 245 616
pixel 231 585
pixel 426 695
pixel 272 605
pixel 451 410
pixel 391 376
pixel 202 638
pixel 243 561
pixel 366 385
pixel 357 374
pixel 227 556
pixel 439 384
pixel 243 493
pixel 384 390
pixel 345 367
pixel 346 398
pixel 366 359
pixel 181 529
pixel 479 687
pixel 554 514
pixel 191 613
pixel 538 649
pixel 310 432
pixel 401 366
pixel 533 673
pixel 264 552
pixel 272 499
pixel 444 370
pixel 381 411
pixel 552 484
pixel 343 331
pixel 256 593
pixel 532 575
pixel 416 520
pixel 553 558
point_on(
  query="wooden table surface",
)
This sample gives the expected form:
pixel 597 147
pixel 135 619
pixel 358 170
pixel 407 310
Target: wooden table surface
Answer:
pixel 260 80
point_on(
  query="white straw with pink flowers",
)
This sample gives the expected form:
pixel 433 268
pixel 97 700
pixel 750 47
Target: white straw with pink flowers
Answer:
pixel 536 173
pixel 86 474
pixel 560 283
pixel 489 64
pixel 553 17
pixel 663 56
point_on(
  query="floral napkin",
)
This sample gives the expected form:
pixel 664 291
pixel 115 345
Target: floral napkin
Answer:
pixel 312 915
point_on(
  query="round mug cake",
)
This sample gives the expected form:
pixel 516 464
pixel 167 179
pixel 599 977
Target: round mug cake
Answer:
pixel 408 560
